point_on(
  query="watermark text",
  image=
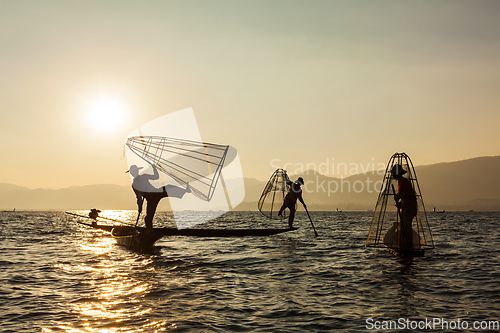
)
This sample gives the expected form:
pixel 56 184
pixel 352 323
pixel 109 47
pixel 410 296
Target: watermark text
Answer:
pixel 432 324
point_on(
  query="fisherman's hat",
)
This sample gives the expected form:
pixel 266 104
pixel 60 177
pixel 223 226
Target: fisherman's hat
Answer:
pixel 398 170
pixel 134 168
pixel 300 180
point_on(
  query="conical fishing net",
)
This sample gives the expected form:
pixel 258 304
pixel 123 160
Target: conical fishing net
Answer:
pixel 273 196
pixel 185 161
pixel 386 227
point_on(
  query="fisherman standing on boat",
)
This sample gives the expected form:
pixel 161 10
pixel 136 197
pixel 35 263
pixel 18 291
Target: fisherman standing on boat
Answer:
pixel 291 199
pixel 406 201
pixel 143 189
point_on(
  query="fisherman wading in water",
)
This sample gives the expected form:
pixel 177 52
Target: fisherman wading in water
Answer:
pixel 291 199
pixel 144 190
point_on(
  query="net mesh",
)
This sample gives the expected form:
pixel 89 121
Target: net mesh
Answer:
pixel 185 161
pixel 385 226
pixel 273 196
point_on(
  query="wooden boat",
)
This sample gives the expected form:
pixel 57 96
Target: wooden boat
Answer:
pixel 406 254
pixel 132 238
pixel 138 238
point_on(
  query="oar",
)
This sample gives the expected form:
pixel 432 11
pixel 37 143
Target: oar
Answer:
pixel 98 217
pixel 139 212
pixel 315 233
pixel 107 218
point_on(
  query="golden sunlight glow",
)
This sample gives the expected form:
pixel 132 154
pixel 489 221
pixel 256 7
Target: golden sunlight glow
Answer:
pixel 101 246
pixel 107 113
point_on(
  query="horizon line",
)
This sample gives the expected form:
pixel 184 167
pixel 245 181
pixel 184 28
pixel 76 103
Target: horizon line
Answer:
pixel 373 171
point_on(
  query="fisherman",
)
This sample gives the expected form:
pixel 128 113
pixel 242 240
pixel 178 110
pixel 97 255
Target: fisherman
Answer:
pixel 291 199
pixel 143 189
pixel 94 213
pixel 406 201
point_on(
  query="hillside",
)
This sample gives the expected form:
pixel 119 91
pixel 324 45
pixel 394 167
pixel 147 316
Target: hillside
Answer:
pixel 462 185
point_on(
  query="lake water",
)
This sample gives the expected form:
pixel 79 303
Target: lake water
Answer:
pixel 60 276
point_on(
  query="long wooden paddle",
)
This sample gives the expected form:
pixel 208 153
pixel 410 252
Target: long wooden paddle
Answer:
pixel 98 217
pixel 139 212
pixel 315 233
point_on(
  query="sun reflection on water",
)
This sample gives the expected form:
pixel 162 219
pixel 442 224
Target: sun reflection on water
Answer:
pixel 113 298
pixel 101 246
pixel 113 283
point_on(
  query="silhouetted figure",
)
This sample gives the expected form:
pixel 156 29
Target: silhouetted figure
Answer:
pixel 406 201
pixel 94 213
pixel 291 199
pixel 144 190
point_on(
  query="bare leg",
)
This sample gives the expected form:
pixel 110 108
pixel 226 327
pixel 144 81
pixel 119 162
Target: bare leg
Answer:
pixel 175 191
pixel 152 199
pixel 291 217
pixel 406 237
pixel 281 209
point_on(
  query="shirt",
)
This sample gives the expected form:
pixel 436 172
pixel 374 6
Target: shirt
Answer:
pixel 405 188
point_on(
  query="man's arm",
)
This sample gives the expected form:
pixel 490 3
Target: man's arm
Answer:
pixel 155 174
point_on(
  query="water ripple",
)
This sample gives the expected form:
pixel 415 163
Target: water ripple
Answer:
pixel 58 276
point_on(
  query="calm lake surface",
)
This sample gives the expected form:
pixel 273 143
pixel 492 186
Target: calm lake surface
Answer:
pixel 59 276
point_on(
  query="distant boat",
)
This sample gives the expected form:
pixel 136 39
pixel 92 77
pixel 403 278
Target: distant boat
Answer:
pixel 436 211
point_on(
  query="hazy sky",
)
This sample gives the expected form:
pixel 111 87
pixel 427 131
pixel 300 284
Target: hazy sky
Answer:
pixel 296 81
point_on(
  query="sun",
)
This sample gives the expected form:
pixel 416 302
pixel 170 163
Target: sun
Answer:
pixel 107 113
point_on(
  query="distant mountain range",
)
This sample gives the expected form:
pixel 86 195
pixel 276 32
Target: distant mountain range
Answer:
pixel 472 184
pixel 461 185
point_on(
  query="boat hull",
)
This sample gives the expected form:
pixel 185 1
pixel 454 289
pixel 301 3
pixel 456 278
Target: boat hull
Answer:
pixel 221 232
pixel 138 238
pixel 406 254
pixel 199 232
pixel 133 239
